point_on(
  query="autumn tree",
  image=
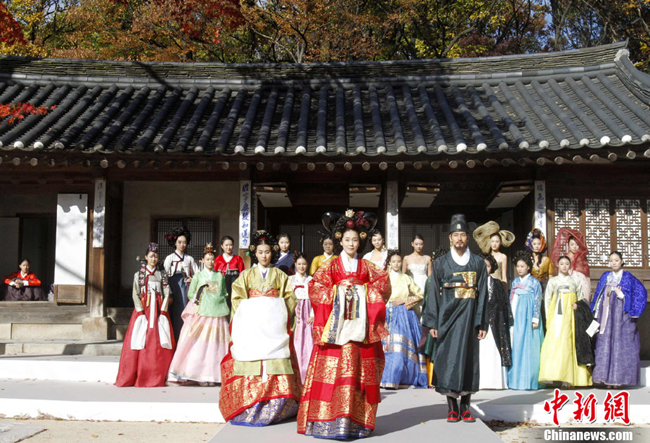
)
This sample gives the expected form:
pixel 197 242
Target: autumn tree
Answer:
pixel 10 31
pixel 308 30
pixel 583 23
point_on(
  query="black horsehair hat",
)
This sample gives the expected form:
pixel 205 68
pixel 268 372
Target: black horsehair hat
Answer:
pixel 458 224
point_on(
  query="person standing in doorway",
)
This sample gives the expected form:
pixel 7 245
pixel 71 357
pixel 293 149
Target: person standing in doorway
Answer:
pixel 455 314
pixel 179 268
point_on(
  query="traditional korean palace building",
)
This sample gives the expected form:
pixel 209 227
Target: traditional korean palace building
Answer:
pixel 134 149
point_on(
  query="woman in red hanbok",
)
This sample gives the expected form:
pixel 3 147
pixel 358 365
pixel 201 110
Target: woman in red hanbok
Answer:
pixel 23 285
pixel 228 264
pixel 149 345
pixel 349 297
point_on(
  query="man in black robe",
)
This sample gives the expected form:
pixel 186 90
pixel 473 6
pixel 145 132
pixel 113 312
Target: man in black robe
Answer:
pixel 455 313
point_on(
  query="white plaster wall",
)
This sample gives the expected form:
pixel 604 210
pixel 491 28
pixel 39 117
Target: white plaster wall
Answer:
pixel 71 239
pixel 146 200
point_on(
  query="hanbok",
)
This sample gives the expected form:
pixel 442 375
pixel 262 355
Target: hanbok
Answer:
pixel 456 308
pixel 303 341
pixel 230 266
pixel 285 263
pixel 495 349
pixel 405 366
pixel 148 343
pixel 617 341
pixel 559 360
pixel 31 291
pixel 319 261
pixel 205 335
pixel 178 267
pixel 341 392
pixel 260 374
pixel 525 300
pixel 579 264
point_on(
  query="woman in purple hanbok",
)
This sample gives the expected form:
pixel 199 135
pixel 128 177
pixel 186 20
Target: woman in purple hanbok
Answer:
pixel 619 301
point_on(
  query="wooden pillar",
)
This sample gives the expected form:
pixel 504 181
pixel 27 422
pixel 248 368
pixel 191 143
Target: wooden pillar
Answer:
pixel 540 206
pixel 392 214
pixel 96 326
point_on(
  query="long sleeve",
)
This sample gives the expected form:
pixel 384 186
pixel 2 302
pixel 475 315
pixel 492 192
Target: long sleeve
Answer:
pixel 315 264
pixel 580 295
pixel 168 264
pixel 194 287
pixel 32 280
pixel 480 317
pixel 240 264
pixel 430 318
pixel 193 266
pixel 136 293
pixel 415 294
pixel 536 287
pixel 166 292
pixel 10 278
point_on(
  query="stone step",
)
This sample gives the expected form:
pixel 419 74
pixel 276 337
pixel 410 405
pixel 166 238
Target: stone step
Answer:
pixel 60 347
pixel 74 368
pixel 103 401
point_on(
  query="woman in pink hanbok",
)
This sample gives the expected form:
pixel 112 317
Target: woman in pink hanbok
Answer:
pixel 205 335
pixel 302 336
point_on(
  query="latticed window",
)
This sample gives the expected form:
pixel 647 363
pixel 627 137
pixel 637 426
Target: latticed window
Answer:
pixel 202 230
pixel 608 224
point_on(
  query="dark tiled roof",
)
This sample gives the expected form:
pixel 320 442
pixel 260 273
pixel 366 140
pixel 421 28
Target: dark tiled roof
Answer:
pixel 556 101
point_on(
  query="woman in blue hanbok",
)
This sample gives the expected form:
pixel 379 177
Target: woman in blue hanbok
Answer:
pixel 405 366
pixel 527 335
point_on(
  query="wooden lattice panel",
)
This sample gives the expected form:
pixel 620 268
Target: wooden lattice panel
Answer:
pixel 598 232
pixel 629 238
pixel 567 213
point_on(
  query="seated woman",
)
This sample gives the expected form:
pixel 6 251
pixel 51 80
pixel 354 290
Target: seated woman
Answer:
pixel 260 375
pixel 23 286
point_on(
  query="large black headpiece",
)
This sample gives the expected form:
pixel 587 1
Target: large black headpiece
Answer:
pixel 458 224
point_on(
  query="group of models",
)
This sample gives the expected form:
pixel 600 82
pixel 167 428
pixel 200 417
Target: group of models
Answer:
pixel 284 342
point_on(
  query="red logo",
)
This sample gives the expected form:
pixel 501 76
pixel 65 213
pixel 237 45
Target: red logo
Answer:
pixel 559 400
pixel 618 406
pixel 585 409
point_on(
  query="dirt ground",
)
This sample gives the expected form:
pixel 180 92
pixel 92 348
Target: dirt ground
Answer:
pixel 104 431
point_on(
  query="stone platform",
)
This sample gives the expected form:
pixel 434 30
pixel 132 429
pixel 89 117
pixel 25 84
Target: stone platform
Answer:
pixel 81 387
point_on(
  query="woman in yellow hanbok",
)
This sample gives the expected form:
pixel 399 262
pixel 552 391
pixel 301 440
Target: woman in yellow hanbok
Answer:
pixel 558 361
